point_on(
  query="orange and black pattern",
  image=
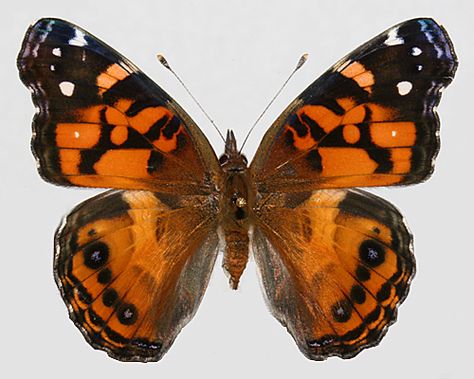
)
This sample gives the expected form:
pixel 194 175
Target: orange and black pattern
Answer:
pixel 124 264
pixel 101 121
pixel 132 264
pixel 343 257
pixel 368 121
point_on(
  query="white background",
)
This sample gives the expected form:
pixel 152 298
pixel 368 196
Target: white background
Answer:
pixel 234 55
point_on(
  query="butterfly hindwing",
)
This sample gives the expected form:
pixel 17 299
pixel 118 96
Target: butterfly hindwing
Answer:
pixel 335 265
pixel 368 121
pixel 101 121
pixel 132 267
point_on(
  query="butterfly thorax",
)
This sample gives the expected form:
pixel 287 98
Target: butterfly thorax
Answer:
pixel 236 203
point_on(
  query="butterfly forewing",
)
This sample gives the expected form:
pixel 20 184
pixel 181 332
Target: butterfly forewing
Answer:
pixel 102 122
pixel 368 121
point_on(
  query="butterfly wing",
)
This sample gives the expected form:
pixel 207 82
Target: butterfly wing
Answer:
pixel 370 120
pixel 102 122
pixel 335 265
pixel 132 267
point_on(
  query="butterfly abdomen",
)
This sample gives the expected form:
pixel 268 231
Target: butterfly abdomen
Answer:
pixel 235 255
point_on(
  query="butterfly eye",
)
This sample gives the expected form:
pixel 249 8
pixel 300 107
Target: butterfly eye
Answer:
pixel 223 159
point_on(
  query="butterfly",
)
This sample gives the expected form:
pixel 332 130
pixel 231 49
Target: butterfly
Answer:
pixel 132 264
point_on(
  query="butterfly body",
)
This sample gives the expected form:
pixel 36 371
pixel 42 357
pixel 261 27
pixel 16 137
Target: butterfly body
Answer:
pixel 335 262
pixel 236 209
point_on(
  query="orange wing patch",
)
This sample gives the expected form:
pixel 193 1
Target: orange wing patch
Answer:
pixel 70 159
pixel 357 72
pixel 119 135
pixel 345 161
pixel 77 135
pixel 393 134
pixel 112 75
pixel 351 133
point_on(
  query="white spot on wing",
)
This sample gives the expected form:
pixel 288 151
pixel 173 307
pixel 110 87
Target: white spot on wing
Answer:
pixel 78 39
pixel 415 51
pixel 393 38
pixel 67 88
pixel 76 134
pixel 404 88
pixel 57 51
pixel 394 133
pixel 52 67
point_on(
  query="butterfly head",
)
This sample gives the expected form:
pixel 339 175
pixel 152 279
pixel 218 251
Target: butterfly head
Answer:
pixel 232 160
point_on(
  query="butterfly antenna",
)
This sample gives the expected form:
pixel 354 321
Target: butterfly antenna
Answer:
pixel 301 62
pixel 165 63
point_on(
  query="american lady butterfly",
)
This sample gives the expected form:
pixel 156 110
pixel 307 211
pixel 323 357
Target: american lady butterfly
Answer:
pixel 132 264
